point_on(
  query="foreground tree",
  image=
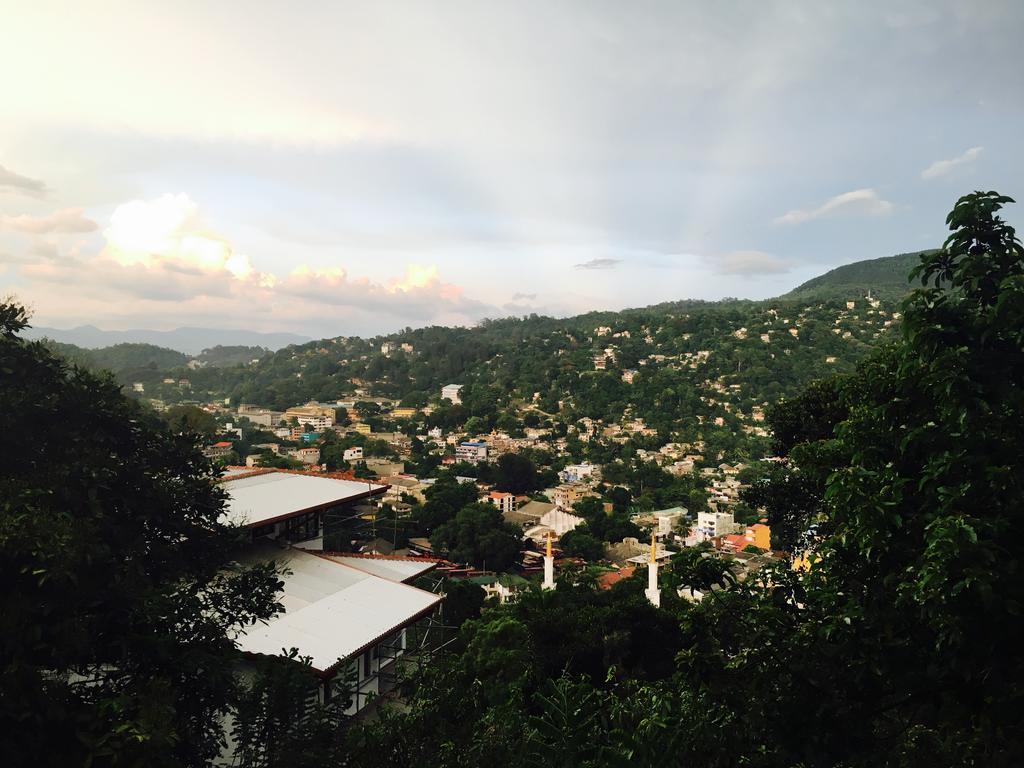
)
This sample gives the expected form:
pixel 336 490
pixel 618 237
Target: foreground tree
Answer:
pixel 118 603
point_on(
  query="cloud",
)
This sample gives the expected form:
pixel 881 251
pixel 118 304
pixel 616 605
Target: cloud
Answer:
pixel 162 259
pixel 15 182
pixel 169 234
pixel 599 264
pixel 859 202
pixel 942 167
pixel 521 296
pixel 750 263
pixel 67 221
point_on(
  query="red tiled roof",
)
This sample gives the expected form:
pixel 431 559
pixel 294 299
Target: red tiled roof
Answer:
pixel 607 580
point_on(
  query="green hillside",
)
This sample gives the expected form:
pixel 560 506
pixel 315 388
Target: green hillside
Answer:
pixel 886 278
pixel 121 357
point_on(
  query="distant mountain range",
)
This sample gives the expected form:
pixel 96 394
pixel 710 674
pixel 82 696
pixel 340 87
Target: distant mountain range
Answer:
pixel 191 341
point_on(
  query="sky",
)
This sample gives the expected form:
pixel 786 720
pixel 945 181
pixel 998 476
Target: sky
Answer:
pixel 341 168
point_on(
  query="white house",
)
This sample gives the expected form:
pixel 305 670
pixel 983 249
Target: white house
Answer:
pixel 353 454
pixel 574 473
pixel 505 502
pixel 712 524
pixel 473 451
pixel 451 392
pixel 667 518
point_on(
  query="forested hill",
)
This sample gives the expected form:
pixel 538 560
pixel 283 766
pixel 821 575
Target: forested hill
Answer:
pixel 885 278
pixel 691 370
pixel 675 365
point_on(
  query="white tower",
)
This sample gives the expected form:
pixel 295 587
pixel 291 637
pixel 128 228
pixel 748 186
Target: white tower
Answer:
pixel 652 591
pixel 549 568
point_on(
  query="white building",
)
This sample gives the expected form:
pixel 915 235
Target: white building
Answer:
pixel 472 451
pixel 350 614
pixel 560 521
pixel 315 423
pixel 667 519
pixel 451 392
pixel 505 502
pixel 353 454
pixel 289 506
pixel 712 524
pixel 574 473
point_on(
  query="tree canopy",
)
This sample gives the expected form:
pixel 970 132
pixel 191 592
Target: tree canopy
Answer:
pixel 119 600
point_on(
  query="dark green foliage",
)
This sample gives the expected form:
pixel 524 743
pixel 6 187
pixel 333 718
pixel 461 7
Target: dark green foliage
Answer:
pixel 462 601
pixel 223 356
pixel 190 419
pixel 516 474
pixel 580 542
pixel 478 535
pixel 444 499
pixel 278 725
pixel 119 598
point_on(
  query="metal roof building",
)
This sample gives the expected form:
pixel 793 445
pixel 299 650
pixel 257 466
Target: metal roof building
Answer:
pixel 337 607
pixel 265 497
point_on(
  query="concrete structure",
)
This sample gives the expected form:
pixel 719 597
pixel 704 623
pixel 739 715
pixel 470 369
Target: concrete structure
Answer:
pixel 353 454
pixel 560 521
pixel 352 615
pixel 473 451
pixel 574 473
pixel 652 591
pixel 565 496
pixel 667 518
pixel 549 567
pixel 217 450
pixel 713 524
pixel 505 502
pixel 451 392
pixel 529 514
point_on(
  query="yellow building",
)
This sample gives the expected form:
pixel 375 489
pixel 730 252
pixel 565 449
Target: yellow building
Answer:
pixel 762 536
pixel 403 413
pixel 363 429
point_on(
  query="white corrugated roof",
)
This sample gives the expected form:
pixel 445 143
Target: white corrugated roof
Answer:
pixel 256 499
pixel 332 610
pixel 388 568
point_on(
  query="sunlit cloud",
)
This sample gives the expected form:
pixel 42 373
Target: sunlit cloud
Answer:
pixel 943 167
pixel 170 231
pixel 162 257
pixel 859 202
